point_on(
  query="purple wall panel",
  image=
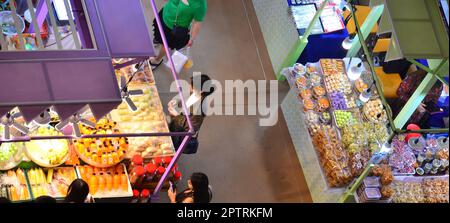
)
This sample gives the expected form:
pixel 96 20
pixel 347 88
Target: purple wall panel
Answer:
pixel 126 31
pixel 23 82
pixel 83 80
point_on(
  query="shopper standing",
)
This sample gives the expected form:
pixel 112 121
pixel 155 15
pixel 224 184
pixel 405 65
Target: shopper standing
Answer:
pixel 181 21
pixel 428 106
pixel 195 103
pixel 198 191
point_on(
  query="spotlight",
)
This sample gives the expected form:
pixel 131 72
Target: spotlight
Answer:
pixel 347 43
pixel 43 119
pixel 74 121
pixel 8 121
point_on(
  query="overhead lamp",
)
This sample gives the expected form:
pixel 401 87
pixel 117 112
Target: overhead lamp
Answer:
pixel 386 148
pixel 8 121
pixel 74 121
pixel 43 119
pixel 347 43
pixel 355 72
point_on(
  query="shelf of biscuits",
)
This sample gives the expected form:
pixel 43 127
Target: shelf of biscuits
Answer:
pixel 148 118
pixel 344 130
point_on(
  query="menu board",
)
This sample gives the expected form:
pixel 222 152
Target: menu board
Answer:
pixel 303 12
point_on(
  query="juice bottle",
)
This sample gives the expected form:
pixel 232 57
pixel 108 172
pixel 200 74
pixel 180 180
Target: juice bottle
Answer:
pixel 167 160
pixel 115 157
pixel 145 195
pixel 82 173
pixel 95 158
pixel 104 159
pixel 93 148
pixel 150 172
pixel 109 181
pixel 101 183
pixel 88 154
pixel 119 169
pixel 89 171
pixel 110 159
pixel 157 161
pixel 123 182
pixel 136 174
pixel 116 181
pixel 93 184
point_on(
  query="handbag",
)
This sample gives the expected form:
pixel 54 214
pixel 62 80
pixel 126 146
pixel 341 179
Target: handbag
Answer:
pixel 179 32
pixel 192 145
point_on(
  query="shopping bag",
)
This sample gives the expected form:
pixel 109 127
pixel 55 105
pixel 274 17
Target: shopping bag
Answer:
pixel 189 63
pixel 179 60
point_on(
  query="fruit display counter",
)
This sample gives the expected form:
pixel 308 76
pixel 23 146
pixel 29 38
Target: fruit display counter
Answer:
pixel 149 117
pixel 342 131
pixel 47 153
pixel 11 155
pixel 52 182
pixel 14 186
pixel 102 152
pixel 48 167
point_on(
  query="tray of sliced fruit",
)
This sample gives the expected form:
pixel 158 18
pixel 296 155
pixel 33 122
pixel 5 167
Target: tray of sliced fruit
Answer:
pixel 47 153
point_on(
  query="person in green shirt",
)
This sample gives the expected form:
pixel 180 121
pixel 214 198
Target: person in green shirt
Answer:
pixel 181 24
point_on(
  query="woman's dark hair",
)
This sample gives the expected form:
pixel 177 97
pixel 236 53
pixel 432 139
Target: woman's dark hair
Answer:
pixel 45 199
pixel 200 184
pixel 4 200
pixel 77 191
pixel 204 80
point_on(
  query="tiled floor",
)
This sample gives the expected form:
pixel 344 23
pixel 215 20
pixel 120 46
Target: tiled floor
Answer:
pixel 245 162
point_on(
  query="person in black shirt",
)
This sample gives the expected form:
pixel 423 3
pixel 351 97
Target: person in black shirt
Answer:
pixel 198 191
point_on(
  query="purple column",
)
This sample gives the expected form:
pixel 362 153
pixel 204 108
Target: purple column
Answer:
pixel 82 24
pixel 41 14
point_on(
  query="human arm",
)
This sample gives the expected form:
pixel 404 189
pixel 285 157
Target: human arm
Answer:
pixel 196 27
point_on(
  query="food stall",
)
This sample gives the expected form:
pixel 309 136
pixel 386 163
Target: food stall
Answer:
pixel 402 162
pixel 343 129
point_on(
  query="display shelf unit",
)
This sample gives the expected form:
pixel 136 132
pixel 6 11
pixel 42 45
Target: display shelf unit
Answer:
pixel 306 153
pixel 436 71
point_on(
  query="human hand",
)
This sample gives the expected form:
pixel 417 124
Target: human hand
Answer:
pixel 190 43
pixel 171 107
pixel 172 195
pixel 422 108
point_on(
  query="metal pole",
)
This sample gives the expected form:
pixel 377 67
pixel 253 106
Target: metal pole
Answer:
pixel 185 109
pixel 372 69
pixel 172 65
pixel 169 168
pixel 427 69
pixel 349 193
pixel 130 135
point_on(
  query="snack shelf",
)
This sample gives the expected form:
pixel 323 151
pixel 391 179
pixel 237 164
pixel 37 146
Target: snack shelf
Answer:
pixel 300 78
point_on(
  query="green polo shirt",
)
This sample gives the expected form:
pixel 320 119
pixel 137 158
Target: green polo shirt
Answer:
pixel 195 11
